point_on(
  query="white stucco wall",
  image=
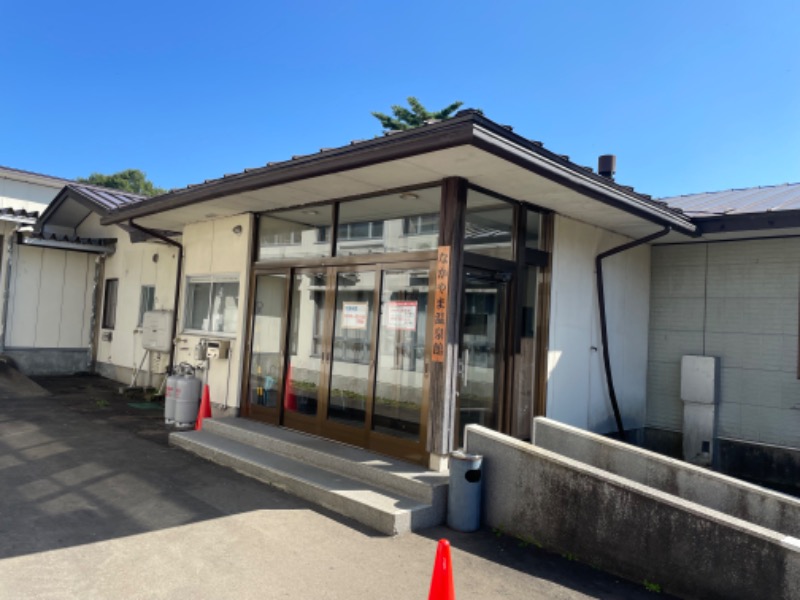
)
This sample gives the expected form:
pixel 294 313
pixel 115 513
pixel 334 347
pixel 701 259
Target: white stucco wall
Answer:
pixel 213 248
pixel 737 301
pixel 576 385
pixel 134 265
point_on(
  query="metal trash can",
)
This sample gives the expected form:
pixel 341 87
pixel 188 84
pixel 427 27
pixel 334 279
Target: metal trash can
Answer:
pixel 464 492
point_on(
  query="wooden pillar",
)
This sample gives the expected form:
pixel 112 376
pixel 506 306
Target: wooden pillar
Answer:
pixel 444 375
pixel 543 318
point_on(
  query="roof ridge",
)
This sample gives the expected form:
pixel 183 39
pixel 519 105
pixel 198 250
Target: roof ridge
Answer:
pixel 3 167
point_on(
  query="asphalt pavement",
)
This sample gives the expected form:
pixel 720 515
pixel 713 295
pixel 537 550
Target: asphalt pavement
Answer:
pixel 94 504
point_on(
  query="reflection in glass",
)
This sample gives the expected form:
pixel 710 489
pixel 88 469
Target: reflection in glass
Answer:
pixel 304 364
pixel 489 226
pixel 524 379
pixel 295 233
pixel 477 395
pixel 267 342
pixel 403 222
pixel 401 353
pixel 532 229
pixel 212 305
pixel 349 386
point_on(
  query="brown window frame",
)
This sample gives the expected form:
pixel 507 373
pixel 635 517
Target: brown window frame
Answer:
pixel 110 303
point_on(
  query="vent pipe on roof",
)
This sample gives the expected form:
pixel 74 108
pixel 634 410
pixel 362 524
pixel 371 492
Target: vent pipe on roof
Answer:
pixel 607 165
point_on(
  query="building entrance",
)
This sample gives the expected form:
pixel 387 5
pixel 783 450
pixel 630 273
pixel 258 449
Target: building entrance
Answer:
pixel 343 352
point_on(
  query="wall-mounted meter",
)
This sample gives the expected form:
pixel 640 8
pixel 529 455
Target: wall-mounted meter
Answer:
pixel 218 349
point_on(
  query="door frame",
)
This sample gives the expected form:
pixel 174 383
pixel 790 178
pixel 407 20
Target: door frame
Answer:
pixel 492 267
pixel 318 424
pixel 249 410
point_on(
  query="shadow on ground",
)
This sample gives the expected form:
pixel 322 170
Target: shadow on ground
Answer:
pixel 81 466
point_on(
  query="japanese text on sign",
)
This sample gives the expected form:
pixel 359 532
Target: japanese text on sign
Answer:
pixel 402 315
pixel 440 304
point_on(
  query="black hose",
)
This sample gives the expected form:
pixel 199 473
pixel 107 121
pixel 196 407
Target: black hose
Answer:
pixel 601 300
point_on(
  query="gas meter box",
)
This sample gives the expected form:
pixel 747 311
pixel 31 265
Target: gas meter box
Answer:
pixel 157 331
pixel 218 349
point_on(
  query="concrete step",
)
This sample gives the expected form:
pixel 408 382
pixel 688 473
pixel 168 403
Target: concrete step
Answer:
pixel 378 507
pixel 381 471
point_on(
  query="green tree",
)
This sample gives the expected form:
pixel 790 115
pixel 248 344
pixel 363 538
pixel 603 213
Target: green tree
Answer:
pixel 133 181
pixel 408 119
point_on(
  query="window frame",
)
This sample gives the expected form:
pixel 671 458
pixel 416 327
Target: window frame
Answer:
pixel 142 308
pixel 109 320
pixel 212 280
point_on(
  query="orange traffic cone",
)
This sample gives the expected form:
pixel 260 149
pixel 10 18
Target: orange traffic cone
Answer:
pixel 289 399
pixel 205 409
pixel 442 579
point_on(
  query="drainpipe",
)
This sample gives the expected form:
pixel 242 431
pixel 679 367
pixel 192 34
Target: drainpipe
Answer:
pixel 7 285
pixel 612 394
pixel 179 246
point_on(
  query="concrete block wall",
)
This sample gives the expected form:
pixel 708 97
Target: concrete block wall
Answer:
pixel 733 497
pixel 627 528
pixel 737 301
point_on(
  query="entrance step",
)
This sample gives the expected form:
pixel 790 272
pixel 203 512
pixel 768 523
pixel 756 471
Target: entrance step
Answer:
pixel 386 494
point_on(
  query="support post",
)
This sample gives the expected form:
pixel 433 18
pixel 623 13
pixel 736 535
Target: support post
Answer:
pixel 444 375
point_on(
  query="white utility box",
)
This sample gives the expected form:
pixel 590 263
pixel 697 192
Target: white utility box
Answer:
pixel 157 331
pixel 699 387
pixel 217 349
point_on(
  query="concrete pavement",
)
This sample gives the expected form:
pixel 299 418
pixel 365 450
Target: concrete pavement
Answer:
pixel 90 510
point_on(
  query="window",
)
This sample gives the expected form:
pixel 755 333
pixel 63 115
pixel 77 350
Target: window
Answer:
pixel 299 233
pixel 147 301
pixel 397 222
pixel 212 304
pixel 421 225
pixel 110 303
pixel 365 230
pixel 489 226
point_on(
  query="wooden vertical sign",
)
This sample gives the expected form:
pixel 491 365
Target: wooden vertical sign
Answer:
pixel 440 304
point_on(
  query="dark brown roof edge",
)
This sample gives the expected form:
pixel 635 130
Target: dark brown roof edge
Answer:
pixel 450 133
pixel 783 219
pixel 459 130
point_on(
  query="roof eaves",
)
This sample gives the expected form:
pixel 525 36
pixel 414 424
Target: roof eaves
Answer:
pixel 427 138
pixel 534 156
pixel 9 171
pixel 467 127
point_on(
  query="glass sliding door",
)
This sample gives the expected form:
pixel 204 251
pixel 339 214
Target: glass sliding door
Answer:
pixel 482 349
pixel 350 385
pixel 307 356
pixel 401 362
pixel 267 346
pixel 342 352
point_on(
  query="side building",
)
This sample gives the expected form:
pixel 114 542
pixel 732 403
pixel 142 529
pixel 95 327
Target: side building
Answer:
pixel 77 290
pixel 732 294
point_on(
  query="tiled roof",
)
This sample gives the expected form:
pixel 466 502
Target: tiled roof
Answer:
pixel 72 239
pixel 106 199
pixel 768 198
pixel 21 216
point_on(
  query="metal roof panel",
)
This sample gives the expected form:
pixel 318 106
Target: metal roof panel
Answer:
pixel 768 198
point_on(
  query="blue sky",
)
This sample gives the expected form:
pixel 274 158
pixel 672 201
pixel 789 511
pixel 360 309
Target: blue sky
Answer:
pixel 690 95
